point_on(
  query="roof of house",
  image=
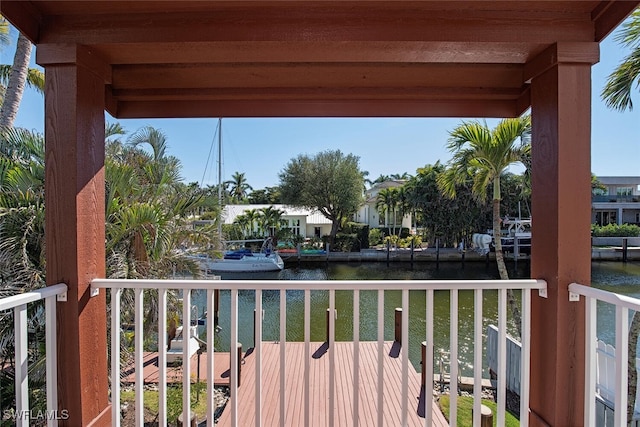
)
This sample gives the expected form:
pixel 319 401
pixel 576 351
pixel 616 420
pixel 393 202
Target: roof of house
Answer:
pixel 622 180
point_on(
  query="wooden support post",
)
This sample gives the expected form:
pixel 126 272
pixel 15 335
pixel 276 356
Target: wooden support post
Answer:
pixel 560 246
pixel 329 324
pixel 397 333
pixel 625 247
pixel 239 352
pixel 486 416
pixel 75 224
pixel 216 307
pixel 423 359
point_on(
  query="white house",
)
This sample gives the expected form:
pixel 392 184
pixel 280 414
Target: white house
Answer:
pixel 368 214
pixel 619 203
pixel 301 221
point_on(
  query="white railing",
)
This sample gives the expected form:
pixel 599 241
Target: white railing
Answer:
pixel 18 303
pixel 622 306
pixel 452 286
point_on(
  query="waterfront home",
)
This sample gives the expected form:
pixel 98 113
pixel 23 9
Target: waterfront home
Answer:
pixel 618 202
pixel 370 214
pixel 352 58
pixel 301 221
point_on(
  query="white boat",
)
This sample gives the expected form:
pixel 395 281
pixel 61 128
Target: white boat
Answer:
pixel 244 260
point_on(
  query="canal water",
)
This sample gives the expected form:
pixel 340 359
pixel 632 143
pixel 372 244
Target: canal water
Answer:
pixel 615 277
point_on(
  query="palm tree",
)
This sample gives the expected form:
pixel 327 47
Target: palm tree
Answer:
pixel 271 219
pixel 18 77
pixel 617 91
pixel 239 186
pixel 482 155
pixel 385 203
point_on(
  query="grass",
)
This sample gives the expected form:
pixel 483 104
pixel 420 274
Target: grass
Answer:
pixel 465 408
pixel 174 401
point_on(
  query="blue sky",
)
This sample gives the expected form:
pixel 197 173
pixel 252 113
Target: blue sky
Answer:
pixel 261 148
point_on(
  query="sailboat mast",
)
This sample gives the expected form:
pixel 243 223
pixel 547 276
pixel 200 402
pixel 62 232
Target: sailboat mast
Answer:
pixel 220 177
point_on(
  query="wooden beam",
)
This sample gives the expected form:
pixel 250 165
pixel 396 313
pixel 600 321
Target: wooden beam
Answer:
pixel 325 21
pixel 317 108
pixel 609 14
pixel 267 51
pixel 232 75
pixel 557 53
pixel 23 15
pixel 84 56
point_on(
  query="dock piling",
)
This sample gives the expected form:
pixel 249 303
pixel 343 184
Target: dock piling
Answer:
pixel 398 325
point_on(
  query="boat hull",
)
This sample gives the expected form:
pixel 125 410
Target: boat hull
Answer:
pixel 254 263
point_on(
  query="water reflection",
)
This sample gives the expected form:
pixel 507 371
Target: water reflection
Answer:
pixel 615 277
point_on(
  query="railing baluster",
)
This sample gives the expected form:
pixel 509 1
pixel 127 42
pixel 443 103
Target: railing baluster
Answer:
pixel 356 357
pixel 162 357
pixel 307 356
pixel 21 370
pixel 477 356
pixel 233 348
pixel 453 359
pixel 428 366
pixel 405 355
pixel 525 358
pixel 186 356
pixel 380 358
pixel 283 357
pixel 332 356
pixel 622 343
pixel 502 356
pixel 138 340
pixel 116 293
pixel 590 362
pixel 52 359
pixel 211 330
pixel 258 355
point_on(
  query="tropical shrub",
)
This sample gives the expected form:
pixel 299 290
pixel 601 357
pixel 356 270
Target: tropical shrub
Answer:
pixel 375 237
pixel 615 230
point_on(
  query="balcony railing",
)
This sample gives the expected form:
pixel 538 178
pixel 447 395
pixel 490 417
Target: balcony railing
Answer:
pixel 453 288
pixel 615 198
pixel 19 303
pixel 622 304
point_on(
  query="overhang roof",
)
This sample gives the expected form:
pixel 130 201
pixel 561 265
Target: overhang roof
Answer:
pixel 316 58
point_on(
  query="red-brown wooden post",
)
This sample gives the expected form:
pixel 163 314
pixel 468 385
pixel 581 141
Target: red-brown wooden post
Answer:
pixel 561 249
pixel 75 227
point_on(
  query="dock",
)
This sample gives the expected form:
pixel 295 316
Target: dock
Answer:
pixel 319 387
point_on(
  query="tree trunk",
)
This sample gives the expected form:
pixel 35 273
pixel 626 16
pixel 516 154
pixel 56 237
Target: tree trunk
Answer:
pixel 502 268
pixel 16 84
pixel 632 372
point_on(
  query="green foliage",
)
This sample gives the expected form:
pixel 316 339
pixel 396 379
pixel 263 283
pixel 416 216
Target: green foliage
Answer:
pixel 361 231
pixel 346 242
pixel 375 236
pixel 465 411
pixel 615 230
pixel 329 182
pixel 174 401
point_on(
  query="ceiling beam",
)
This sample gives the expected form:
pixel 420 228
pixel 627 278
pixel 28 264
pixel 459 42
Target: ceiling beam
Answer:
pixel 316 108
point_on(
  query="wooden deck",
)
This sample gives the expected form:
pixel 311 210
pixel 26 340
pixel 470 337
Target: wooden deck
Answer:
pixel 174 373
pixel 319 387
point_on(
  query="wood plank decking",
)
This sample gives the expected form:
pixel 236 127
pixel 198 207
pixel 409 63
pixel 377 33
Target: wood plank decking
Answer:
pixel 319 387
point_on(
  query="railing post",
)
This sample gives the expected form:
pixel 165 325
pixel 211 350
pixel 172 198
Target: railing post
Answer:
pixel 397 332
pixel 328 319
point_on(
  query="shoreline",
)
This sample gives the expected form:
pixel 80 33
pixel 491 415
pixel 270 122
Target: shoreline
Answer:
pixel 443 254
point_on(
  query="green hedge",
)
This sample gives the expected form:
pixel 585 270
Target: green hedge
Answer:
pixel 614 230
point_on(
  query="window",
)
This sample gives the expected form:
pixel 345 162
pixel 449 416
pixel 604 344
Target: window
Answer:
pixel 624 191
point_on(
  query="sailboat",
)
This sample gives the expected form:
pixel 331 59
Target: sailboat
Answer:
pixel 244 259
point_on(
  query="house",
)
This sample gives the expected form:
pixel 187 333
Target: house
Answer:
pixel 618 203
pixel 301 221
pixel 370 215
pixel 177 59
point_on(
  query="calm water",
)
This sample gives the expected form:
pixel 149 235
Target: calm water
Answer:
pixel 615 277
